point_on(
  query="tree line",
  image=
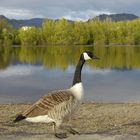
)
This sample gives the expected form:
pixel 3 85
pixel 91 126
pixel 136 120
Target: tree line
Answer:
pixel 63 32
pixel 60 57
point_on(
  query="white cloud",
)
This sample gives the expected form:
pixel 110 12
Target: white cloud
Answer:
pixel 18 13
pixel 19 70
pixel 89 70
pixel 70 9
pixel 84 15
pixel 71 15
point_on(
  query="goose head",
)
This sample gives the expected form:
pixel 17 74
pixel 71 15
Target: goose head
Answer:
pixel 88 56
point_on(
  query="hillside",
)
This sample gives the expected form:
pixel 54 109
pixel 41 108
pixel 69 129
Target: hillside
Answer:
pixel 116 17
pixel 37 22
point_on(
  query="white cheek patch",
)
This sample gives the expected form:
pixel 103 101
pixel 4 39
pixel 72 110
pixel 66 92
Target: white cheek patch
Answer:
pixel 86 57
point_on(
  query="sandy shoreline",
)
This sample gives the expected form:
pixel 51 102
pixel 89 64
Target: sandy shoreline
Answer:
pixel 93 120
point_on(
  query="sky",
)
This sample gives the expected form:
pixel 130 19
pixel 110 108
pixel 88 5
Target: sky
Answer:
pixel 69 9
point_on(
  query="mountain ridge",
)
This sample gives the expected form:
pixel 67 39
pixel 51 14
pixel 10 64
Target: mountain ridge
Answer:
pixel 116 17
pixel 17 23
pixel 37 22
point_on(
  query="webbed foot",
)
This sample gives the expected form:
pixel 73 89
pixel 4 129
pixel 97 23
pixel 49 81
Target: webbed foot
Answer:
pixel 61 135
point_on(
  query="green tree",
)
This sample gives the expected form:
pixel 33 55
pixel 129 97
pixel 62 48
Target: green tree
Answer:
pixel 29 35
pixel 6 33
pixel 135 32
pixel 97 32
pixel 81 34
pixel 48 32
pixel 57 32
pixel 108 31
pixel 63 32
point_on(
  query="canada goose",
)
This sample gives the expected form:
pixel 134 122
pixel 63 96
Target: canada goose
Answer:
pixel 60 104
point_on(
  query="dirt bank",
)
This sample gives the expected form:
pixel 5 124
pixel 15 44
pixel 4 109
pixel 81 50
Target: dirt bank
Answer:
pixel 93 120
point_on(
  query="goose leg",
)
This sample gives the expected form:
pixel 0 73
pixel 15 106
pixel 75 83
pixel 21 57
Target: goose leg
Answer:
pixel 73 131
pixel 70 130
pixel 58 135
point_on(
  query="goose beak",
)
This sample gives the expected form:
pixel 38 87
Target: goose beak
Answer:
pixel 95 57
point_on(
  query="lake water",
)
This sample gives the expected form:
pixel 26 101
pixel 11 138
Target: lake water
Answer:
pixel 27 73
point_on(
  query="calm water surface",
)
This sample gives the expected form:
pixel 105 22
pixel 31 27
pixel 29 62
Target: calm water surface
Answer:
pixel 27 73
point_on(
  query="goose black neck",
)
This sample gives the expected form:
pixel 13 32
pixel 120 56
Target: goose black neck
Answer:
pixel 77 74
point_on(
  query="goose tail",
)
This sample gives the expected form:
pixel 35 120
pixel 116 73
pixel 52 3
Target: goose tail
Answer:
pixel 19 118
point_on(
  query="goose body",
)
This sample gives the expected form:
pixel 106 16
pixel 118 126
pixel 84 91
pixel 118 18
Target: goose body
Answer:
pixel 58 105
pixel 49 108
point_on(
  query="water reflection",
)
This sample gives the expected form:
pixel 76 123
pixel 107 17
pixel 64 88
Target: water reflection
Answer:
pixel 27 73
pixel 19 70
pixel 61 57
